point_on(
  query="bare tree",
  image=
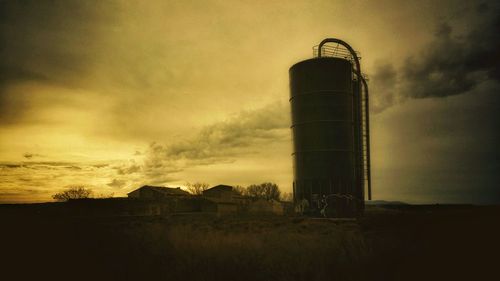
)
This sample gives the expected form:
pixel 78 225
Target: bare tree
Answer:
pixel 74 192
pixel 240 190
pixel 267 190
pixel 197 188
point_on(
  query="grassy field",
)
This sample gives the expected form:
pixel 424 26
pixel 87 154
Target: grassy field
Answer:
pixel 388 243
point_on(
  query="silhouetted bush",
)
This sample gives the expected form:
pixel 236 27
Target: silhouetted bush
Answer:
pixel 267 190
pixel 75 192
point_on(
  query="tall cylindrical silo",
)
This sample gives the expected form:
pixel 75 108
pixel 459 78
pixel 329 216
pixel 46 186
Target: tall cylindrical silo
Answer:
pixel 327 137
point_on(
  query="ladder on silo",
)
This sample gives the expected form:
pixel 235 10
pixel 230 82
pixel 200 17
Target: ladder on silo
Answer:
pixel 365 138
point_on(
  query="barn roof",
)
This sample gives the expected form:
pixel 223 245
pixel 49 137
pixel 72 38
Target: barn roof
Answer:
pixel 220 187
pixel 164 190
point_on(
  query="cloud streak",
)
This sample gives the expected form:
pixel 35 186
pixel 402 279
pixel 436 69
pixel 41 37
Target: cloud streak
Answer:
pixel 242 134
pixel 233 136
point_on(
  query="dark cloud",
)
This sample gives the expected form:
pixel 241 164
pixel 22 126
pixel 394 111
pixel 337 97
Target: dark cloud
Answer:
pixel 49 163
pixel 161 180
pixel 49 41
pixel 9 74
pixel 130 169
pixel 384 86
pixel 10 166
pixel 16 195
pixel 451 64
pixel 73 167
pixel 28 155
pixel 115 183
pixel 31 155
pixel 44 165
pixel 442 150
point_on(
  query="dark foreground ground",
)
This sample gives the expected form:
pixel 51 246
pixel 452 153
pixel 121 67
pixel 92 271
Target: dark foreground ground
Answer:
pixel 389 243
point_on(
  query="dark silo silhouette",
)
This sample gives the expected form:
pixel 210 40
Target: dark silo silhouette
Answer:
pixel 330 126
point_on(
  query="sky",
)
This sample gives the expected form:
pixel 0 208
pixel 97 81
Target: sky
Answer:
pixel 114 95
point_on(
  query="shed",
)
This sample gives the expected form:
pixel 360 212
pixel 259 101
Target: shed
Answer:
pixel 220 192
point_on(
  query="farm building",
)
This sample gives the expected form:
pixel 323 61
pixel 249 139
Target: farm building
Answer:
pixel 148 192
pixel 229 201
pixel 224 197
pixel 220 192
pixel 220 199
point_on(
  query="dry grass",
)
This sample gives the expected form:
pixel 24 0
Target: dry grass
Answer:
pixel 387 244
pixel 271 248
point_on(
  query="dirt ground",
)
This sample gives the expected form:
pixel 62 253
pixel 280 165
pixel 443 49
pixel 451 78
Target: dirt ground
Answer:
pixel 433 242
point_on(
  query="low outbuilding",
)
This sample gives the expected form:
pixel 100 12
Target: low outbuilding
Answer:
pixel 149 192
pixel 220 192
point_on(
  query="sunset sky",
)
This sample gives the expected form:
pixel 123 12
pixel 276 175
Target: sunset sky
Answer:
pixel 117 94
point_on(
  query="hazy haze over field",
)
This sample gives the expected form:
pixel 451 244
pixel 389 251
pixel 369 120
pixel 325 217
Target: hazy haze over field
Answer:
pixel 117 94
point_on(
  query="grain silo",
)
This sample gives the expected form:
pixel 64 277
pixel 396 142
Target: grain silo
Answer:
pixel 330 126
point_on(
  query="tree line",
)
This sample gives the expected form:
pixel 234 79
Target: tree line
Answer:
pixel 266 190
